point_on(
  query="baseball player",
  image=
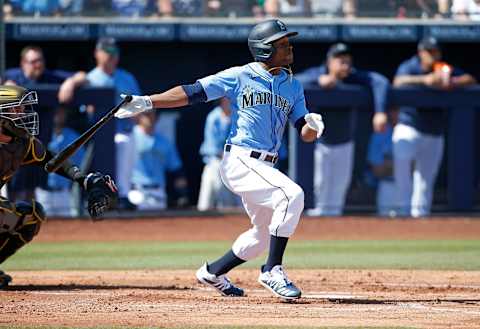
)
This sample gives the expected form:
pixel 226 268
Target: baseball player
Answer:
pixel 21 221
pixel 213 193
pixel 264 97
pixel 333 156
pixel 418 138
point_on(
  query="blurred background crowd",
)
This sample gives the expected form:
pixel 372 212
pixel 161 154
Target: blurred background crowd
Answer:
pixel 438 9
pixel 170 159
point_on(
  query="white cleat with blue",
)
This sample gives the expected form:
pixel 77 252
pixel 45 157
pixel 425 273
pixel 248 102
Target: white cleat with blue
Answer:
pixel 278 283
pixel 221 283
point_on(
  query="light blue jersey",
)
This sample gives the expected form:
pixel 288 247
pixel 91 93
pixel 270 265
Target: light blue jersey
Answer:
pixel 217 128
pixel 261 104
pixel 57 144
pixel 154 156
pixel 123 82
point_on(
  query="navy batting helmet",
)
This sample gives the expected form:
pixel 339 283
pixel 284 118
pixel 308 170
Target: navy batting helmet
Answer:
pixel 263 35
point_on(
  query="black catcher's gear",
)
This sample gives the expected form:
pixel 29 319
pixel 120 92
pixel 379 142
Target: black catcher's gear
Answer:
pixel 16 107
pixel 102 194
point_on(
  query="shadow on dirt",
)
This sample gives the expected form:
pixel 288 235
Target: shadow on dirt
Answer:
pixel 401 301
pixel 73 287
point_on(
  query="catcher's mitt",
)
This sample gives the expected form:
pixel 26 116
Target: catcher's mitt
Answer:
pixel 102 194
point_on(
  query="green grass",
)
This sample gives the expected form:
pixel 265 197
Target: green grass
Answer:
pixel 435 255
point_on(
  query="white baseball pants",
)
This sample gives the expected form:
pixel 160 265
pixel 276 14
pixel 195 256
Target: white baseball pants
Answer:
pixel 124 158
pixel 55 203
pixel 387 198
pixel 417 158
pixel 273 201
pixel 333 165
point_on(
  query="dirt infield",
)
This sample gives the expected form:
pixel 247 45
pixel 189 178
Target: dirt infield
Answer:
pixel 420 299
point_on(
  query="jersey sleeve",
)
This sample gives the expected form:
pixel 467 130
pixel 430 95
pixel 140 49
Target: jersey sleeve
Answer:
pixel 299 108
pixel 404 69
pixel 310 76
pixel 221 84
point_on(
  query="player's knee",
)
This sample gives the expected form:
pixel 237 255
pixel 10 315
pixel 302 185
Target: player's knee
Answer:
pixel 32 216
pixel 252 243
pixel 297 199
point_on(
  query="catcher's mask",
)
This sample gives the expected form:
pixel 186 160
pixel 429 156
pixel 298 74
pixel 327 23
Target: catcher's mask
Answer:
pixel 16 105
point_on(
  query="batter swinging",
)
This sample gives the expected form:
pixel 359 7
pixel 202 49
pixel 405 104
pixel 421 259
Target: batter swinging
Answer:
pixel 264 97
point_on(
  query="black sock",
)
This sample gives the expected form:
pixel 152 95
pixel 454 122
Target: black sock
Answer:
pixel 224 264
pixel 275 254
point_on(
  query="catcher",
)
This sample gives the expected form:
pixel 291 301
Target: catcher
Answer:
pixel 21 221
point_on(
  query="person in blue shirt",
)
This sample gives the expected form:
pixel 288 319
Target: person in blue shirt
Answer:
pixel 334 152
pixel 263 97
pixel 57 197
pixel 108 74
pixel 154 157
pixel 418 138
pixel 31 73
pixel 213 194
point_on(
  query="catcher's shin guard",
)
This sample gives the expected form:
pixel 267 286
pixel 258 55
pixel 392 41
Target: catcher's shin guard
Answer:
pixel 16 234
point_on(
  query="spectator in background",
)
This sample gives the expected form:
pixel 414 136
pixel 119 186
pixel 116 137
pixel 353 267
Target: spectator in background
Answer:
pixel 333 159
pixel 380 168
pixel 96 8
pixel 234 8
pixel 466 9
pixel 137 8
pixel 56 197
pixel 418 138
pixel 36 7
pixel 329 8
pixel 188 8
pixel 154 156
pixel 71 7
pixel 396 8
pixel 31 73
pixel 108 74
pixel 286 8
pixel 213 193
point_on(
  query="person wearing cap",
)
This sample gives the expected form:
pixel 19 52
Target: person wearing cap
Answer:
pixel 264 98
pixel 108 74
pixel 31 73
pixel 333 157
pixel 418 138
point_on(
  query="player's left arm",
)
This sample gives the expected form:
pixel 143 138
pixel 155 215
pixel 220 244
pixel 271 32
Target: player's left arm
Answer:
pixel 379 86
pixel 309 125
pixel 101 189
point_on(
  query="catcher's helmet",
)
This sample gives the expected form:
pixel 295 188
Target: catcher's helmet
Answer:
pixel 263 35
pixel 14 106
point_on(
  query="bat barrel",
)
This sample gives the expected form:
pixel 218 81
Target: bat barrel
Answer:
pixel 60 158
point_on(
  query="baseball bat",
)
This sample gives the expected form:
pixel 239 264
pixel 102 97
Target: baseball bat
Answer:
pixel 63 155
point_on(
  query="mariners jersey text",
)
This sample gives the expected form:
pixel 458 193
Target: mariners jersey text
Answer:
pixel 251 98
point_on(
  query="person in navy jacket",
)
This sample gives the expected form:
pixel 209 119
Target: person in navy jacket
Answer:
pixel 334 151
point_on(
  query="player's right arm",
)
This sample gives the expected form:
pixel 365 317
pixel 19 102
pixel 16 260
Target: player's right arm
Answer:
pixel 406 77
pixel 203 90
